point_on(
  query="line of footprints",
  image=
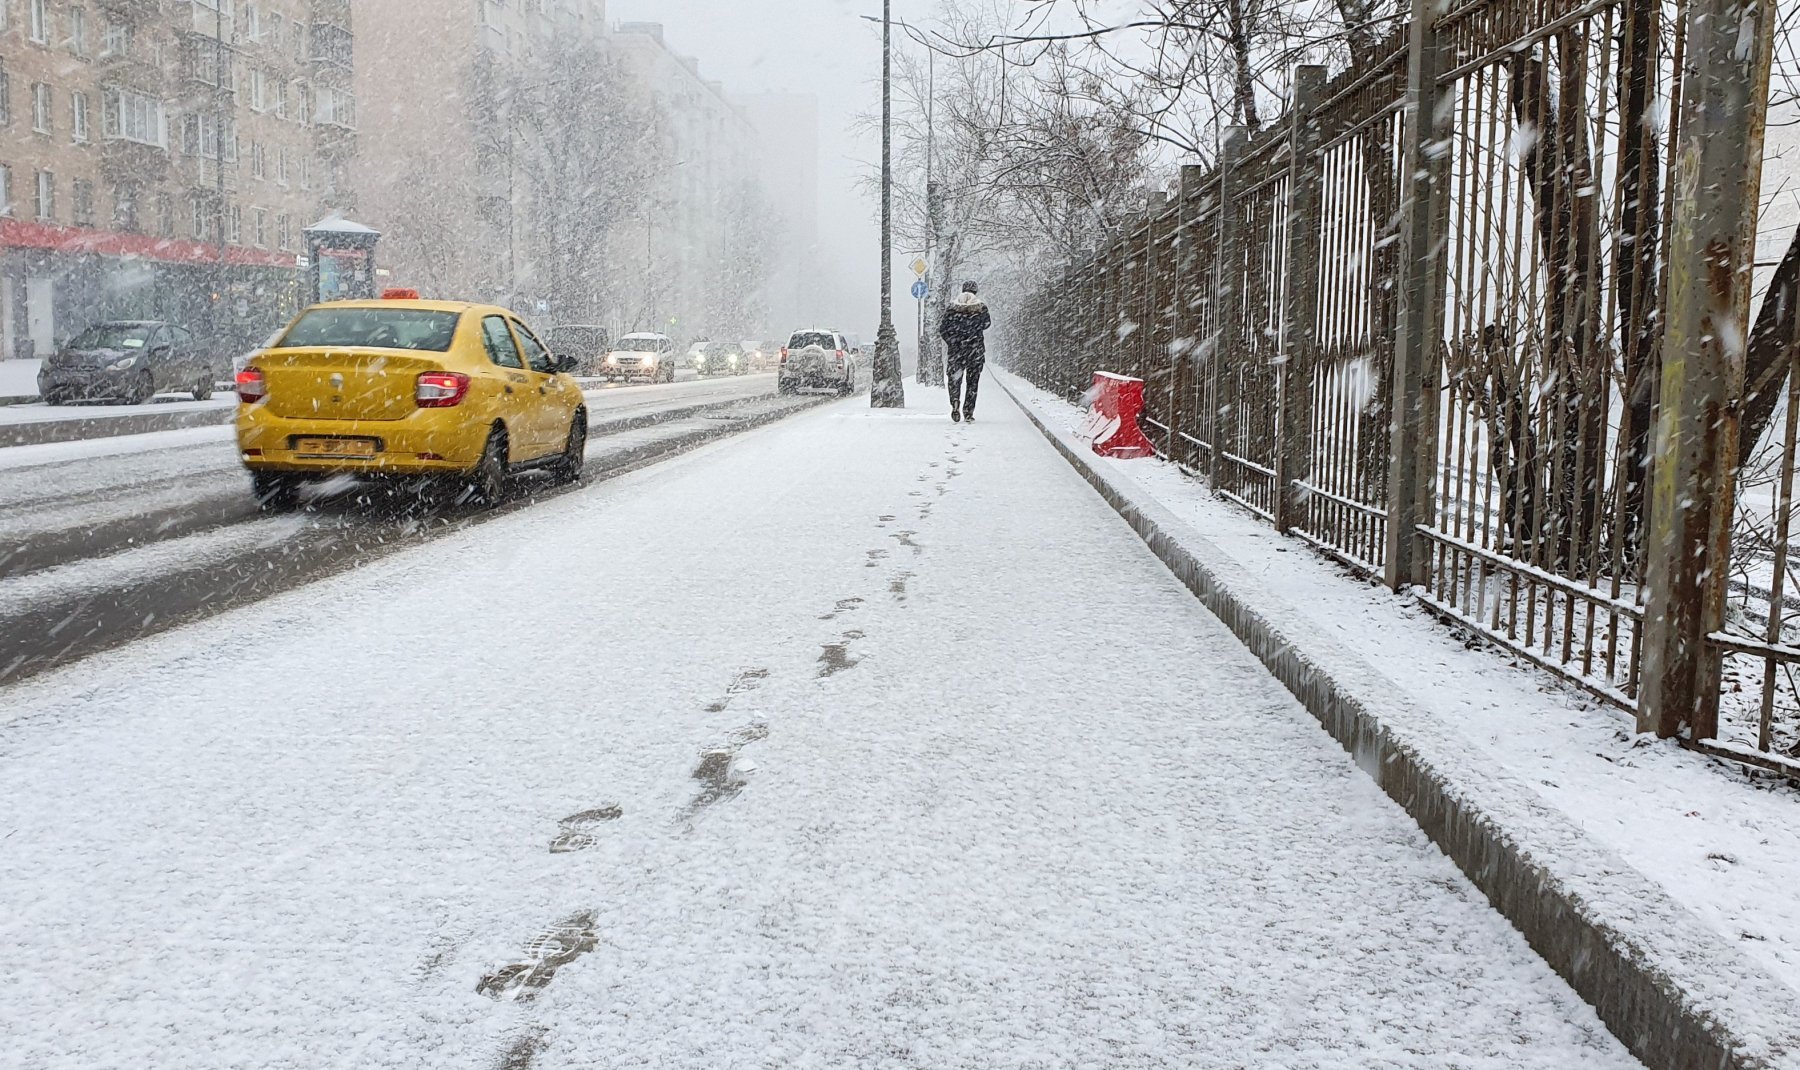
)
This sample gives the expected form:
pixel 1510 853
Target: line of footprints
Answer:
pixel 718 776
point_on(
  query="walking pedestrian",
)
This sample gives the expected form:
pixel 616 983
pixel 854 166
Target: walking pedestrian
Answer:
pixel 964 331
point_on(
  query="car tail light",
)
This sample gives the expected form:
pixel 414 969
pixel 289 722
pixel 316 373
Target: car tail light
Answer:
pixel 840 356
pixel 442 390
pixel 784 354
pixel 251 386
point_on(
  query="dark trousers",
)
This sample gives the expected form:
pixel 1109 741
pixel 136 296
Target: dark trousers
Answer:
pixel 962 368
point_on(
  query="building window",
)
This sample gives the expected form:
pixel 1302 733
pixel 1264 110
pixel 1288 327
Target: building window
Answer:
pixel 79 113
pixel 306 172
pixel 40 21
pixel 201 215
pixel 84 203
pixel 6 201
pixel 40 108
pixel 78 32
pixel 257 155
pixel 5 91
pixel 304 97
pixel 200 137
pixel 46 196
pixel 165 215
pixel 334 107
pixel 284 231
pixel 281 165
pixel 234 225
pixel 130 116
pixel 116 39
pixel 259 90
pixel 125 207
pixel 279 87
pixel 260 218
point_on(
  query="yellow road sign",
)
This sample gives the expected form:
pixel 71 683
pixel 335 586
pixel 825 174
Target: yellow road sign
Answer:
pixel 919 266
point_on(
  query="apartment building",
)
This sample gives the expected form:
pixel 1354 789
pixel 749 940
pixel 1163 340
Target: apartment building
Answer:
pixel 693 249
pixel 448 89
pixel 160 158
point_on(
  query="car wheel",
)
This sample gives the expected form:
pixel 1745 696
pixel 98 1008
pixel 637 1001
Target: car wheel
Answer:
pixel 487 484
pixel 54 397
pixel 143 388
pixel 574 456
pixel 203 390
pixel 784 386
pixel 275 492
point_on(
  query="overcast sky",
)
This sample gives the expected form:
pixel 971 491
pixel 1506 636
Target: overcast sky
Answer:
pixel 797 46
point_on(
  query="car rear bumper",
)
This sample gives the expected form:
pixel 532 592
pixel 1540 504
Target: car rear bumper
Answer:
pixel 427 442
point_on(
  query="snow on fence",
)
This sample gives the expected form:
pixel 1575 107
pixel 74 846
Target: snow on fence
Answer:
pixel 1503 267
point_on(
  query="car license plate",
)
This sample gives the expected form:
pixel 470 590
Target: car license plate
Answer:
pixel 335 447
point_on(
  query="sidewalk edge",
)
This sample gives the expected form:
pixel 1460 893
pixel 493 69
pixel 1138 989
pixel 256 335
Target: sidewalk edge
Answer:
pixel 1675 1000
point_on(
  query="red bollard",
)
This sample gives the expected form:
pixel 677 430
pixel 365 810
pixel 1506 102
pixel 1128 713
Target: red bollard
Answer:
pixel 1113 423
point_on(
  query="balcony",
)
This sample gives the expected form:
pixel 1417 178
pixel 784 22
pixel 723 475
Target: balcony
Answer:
pixel 132 11
pixel 122 159
pixel 132 69
pixel 331 13
pixel 333 47
pixel 201 175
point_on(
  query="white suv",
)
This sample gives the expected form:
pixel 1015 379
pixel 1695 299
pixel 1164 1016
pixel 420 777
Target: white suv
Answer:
pixel 817 359
pixel 641 356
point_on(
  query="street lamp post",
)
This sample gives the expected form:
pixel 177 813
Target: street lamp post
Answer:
pixel 888 389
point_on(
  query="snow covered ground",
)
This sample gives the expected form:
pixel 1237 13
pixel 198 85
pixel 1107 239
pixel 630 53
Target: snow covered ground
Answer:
pixel 864 739
pixel 1725 844
pixel 18 378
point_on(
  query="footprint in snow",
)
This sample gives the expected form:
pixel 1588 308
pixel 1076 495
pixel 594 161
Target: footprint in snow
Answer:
pixel 545 955
pixel 578 829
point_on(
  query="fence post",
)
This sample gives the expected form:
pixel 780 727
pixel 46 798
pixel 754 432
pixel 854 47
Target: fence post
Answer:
pixel 1712 245
pixel 1423 226
pixel 1228 297
pixel 1300 309
pixel 1182 381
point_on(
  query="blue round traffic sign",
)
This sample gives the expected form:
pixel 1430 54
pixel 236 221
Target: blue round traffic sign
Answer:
pixel 920 289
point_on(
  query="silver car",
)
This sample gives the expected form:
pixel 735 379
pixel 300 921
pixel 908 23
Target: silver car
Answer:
pixel 817 359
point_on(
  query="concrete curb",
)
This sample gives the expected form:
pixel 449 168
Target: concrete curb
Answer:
pixel 19 400
pixel 1677 999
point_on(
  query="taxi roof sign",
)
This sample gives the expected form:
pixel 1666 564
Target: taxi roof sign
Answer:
pixel 396 293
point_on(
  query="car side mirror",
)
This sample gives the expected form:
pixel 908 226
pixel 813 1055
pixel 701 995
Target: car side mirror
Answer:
pixel 161 351
pixel 563 363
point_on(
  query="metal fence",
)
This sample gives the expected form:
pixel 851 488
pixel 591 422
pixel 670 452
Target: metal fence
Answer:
pixel 1479 223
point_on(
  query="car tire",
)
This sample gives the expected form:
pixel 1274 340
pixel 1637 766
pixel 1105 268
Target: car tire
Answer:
pixel 567 468
pixel 55 397
pixel 487 484
pixel 784 386
pixel 143 388
pixel 276 492
pixel 203 390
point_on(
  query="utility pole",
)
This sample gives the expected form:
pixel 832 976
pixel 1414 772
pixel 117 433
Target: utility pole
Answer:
pixel 219 61
pixel 888 389
pixel 931 367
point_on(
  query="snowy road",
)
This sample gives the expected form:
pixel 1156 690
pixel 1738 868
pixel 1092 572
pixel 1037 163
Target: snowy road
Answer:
pixel 820 746
pixel 100 550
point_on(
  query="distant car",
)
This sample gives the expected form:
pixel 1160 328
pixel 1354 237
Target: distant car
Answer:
pixel 762 356
pixel 587 346
pixel 130 361
pixel 641 356
pixel 817 359
pixel 407 388
pixel 721 358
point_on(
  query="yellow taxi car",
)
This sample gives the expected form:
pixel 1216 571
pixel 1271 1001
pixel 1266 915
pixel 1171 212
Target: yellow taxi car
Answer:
pixel 411 388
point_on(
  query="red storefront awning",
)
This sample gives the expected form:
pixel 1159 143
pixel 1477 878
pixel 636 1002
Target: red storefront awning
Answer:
pixel 21 234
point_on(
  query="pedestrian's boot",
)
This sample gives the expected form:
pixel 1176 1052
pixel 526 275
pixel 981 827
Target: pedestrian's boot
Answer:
pixel 955 417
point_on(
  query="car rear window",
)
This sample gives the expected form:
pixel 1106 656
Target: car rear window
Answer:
pixel 372 328
pixel 802 339
pixel 639 343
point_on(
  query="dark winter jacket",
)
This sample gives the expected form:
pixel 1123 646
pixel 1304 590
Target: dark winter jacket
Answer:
pixel 963 328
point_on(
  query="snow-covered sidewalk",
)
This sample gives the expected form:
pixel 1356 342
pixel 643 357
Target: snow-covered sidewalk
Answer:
pixel 1724 845
pixel 861 740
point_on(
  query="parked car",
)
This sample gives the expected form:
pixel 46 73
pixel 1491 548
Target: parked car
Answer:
pixel 817 359
pixel 408 388
pixel 721 358
pixel 129 361
pixel 587 345
pixel 641 356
